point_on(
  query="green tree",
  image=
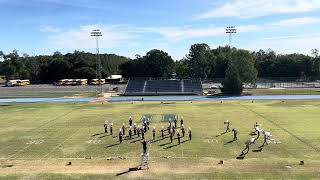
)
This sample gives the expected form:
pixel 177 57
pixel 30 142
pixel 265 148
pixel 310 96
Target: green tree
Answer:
pixel 263 62
pixel 87 72
pixel 232 84
pixel 316 67
pixel 223 56
pixel 133 68
pixel 245 63
pixel 200 61
pixel 158 64
pixel 181 69
pixel 7 69
pixel 315 52
pixel 13 66
pixel 56 69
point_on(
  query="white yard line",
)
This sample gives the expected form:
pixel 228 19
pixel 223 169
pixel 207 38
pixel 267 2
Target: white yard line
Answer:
pixel 89 144
pixel 40 127
pixel 24 148
pixel 60 144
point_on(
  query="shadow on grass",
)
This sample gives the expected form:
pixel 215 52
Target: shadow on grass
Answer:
pixel 138 140
pixel 241 157
pixel 260 147
pixel 244 152
pixel 221 134
pixel 104 136
pixel 257 150
pixel 165 135
pixel 132 138
pixel 185 141
pixel 129 170
pixel 169 147
pixel 98 134
pixel 109 146
pixel 229 142
pixel 159 139
pixel 164 144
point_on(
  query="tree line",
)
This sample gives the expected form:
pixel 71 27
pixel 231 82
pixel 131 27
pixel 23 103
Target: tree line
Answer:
pixel 206 63
pixel 236 66
pixel 50 68
pixel 200 62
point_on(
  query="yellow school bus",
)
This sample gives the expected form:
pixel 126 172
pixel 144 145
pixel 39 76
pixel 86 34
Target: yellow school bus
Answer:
pixel 18 82
pixel 73 82
pixel 68 82
pixel 97 82
pixel 24 82
pixel 61 82
pixel 82 81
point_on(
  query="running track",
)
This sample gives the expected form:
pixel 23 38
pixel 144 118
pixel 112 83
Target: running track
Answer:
pixel 163 98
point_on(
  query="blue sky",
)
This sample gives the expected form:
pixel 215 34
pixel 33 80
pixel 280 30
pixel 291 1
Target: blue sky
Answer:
pixel 134 27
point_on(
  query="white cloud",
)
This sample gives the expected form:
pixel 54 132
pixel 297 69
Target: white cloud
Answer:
pixel 138 39
pixel 181 33
pixel 96 5
pixel 48 28
pixel 297 22
pixel 288 44
pixel 292 37
pixel 80 38
pixel 259 8
pixel 188 32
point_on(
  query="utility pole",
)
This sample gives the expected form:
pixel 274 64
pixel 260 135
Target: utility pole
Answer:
pixel 231 30
pixel 97 33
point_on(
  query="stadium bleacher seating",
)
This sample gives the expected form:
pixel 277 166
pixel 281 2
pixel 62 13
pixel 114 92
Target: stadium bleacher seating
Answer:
pixel 135 86
pixel 163 87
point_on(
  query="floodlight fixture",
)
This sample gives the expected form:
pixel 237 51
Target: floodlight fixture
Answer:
pixel 231 30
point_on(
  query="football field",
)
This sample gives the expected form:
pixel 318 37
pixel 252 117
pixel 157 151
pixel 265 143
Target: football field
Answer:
pixel 67 140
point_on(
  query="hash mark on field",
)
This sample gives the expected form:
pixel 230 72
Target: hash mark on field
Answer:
pixel 275 124
pixel 93 141
pixel 36 142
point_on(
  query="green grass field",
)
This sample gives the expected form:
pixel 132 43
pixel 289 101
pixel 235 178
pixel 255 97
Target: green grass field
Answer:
pixel 39 139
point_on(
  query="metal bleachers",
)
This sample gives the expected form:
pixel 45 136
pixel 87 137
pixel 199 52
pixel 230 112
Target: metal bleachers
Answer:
pixel 163 87
pixel 135 86
pixel 192 86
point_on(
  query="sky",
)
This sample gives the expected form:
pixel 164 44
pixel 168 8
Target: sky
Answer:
pixel 131 27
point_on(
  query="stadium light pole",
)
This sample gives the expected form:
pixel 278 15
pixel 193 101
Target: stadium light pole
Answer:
pixel 97 33
pixel 231 30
